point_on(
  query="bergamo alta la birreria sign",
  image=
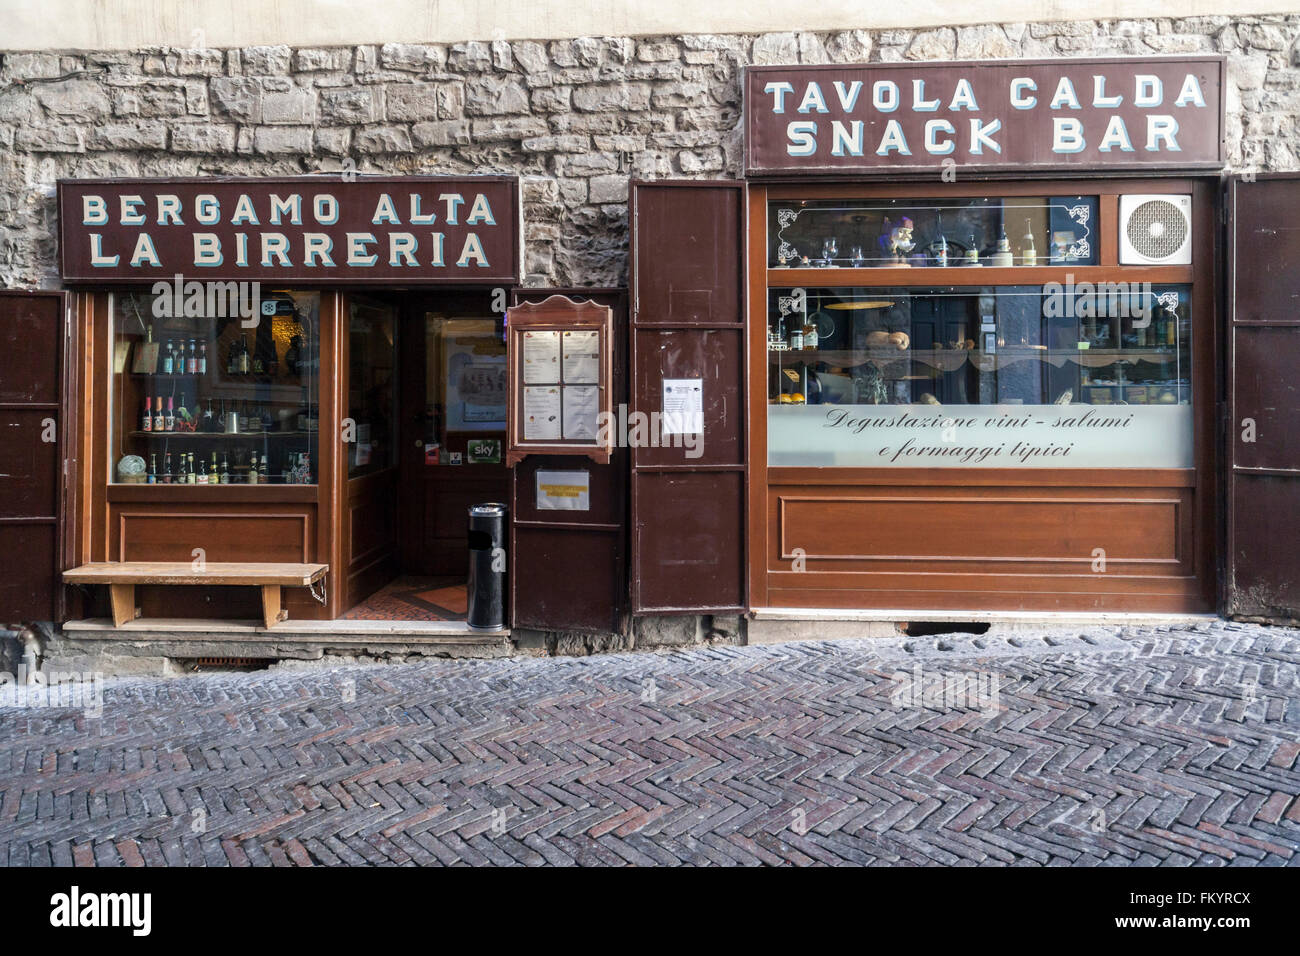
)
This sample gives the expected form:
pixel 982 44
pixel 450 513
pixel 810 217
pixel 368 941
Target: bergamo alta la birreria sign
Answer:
pixel 1098 114
pixel 409 230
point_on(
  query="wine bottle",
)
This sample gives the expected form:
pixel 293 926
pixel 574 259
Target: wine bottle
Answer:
pixel 193 476
pixel 192 362
pixel 252 470
pixel 167 469
pixel 146 421
pixel 184 477
pixel 168 363
pixel 203 473
pixel 153 469
pixel 225 469
pixel 158 420
pixel 203 358
pixel 169 417
pixel 243 355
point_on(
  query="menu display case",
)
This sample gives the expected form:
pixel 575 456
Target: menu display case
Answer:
pixel 204 397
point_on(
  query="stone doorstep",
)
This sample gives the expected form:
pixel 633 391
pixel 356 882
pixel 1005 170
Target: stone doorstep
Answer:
pixel 290 632
pixel 774 625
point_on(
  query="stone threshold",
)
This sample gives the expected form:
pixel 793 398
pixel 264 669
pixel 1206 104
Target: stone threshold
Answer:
pixel 310 632
pixel 887 615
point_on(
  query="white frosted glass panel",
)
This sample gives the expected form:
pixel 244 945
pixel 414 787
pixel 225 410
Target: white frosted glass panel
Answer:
pixel 980 436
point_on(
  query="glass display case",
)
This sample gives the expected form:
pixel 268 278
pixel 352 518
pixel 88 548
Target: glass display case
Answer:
pixel 1068 375
pixel 203 399
pixel 930 233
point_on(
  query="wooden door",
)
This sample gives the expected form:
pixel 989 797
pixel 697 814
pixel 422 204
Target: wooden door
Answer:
pixel 34 475
pixel 1262 578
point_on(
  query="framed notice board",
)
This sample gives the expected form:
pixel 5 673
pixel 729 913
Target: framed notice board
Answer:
pixel 560 389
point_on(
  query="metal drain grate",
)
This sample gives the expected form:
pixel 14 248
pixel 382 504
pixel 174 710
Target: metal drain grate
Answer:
pixel 232 663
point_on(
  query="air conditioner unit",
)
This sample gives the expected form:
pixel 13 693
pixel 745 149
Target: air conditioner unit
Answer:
pixel 1155 230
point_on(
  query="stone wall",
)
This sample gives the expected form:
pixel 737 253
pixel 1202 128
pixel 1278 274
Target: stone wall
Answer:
pixel 574 118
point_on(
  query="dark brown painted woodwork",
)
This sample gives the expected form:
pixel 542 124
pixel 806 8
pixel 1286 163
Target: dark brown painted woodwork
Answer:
pixel 32 479
pixel 568 569
pixel 1262 576
pixel 687 287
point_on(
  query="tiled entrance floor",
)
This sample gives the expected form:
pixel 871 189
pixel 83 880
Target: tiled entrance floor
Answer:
pixel 412 598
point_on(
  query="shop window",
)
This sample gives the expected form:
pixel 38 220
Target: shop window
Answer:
pixel 201 398
pixel 465 413
pixel 1053 375
pixel 987 231
pixel 372 446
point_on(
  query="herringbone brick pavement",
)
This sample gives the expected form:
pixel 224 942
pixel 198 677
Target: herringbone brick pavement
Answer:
pixel 1152 746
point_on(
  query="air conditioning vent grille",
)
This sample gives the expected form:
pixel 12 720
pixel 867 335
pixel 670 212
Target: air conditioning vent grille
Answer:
pixel 1157 229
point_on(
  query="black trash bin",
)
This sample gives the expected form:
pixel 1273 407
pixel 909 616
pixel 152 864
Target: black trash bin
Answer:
pixel 487 562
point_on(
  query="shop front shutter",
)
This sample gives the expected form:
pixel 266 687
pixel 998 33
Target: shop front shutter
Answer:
pixel 32 478
pixel 568 569
pixel 688 503
pixel 1262 574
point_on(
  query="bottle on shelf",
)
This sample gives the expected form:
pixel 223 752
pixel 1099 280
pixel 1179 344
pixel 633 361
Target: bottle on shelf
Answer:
pixel 169 416
pixel 159 421
pixel 153 469
pixel 146 420
pixel 225 469
pixel 972 253
pixel 252 470
pixel 262 478
pixel 1028 252
pixel 214 476
pixel 192 361
pixel 184 476
pixel 1002 257
pixel 168 362
pixel 167 469
pixel 243 366
pixel 203 473
pixel 203 358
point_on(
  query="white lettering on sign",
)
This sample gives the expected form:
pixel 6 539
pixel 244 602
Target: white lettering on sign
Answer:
pixel 275 249
pixel 1081 118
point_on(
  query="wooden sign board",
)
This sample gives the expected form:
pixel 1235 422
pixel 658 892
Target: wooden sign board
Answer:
pixel 560 355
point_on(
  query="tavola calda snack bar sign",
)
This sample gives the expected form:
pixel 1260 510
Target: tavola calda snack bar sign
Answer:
pixel 417 230
pixel 1113 114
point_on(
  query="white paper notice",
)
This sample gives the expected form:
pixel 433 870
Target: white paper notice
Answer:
pixel 581 411
pixel 541 357
pixel 542 413
pixel 582 356
pixel 683 412
pixel 563 491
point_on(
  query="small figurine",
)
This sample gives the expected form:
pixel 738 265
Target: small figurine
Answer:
pixel 896 241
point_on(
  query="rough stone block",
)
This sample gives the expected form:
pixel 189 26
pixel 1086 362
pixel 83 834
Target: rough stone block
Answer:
pixel 292 107
pixel 78 101
pixel 125 136
pixel 446 133
pixel 776 48
pixel 264 60
pixel 349 105
pixel 612 98
pixel 280 140
pixel 382 139
pixel 203 138
pixel 237 97
pixel 415 102
pixel 933 45
pixel 495 96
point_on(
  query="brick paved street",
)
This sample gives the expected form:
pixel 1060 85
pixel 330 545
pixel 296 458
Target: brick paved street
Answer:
pixel 1154 747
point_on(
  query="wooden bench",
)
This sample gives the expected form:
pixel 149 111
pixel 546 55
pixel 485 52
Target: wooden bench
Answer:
pixel 122 577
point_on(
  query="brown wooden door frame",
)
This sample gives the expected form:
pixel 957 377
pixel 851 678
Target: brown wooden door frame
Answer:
pixel 1202 492
pixel 1261 557
pixel 62 409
